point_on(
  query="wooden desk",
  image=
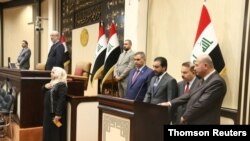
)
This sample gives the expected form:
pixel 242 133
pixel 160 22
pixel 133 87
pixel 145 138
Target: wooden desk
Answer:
pixel 29 98
pixel 133 120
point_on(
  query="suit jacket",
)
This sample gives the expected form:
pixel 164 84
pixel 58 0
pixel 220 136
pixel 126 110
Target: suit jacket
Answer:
pixel 137 90
pixel 166 90
pixel 181 88
pixel 24 59
pixel 204 103
pixel 55 56
pixel 124 64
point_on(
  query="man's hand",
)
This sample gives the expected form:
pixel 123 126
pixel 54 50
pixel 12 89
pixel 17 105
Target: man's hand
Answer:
pixel 183 120
pixel 48 86
pixel 167 104
pixel 57 118
pixel 118 78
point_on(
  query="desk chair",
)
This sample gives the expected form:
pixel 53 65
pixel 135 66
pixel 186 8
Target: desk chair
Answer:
pixel 80 77
pixel 66 66
pixel 40 66
pixel 6 109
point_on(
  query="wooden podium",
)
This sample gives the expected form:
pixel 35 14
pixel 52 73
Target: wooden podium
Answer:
pixel 29 98
pixel 122 119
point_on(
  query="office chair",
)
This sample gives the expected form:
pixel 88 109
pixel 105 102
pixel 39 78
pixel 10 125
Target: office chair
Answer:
pixel 40 66
pixel 6 109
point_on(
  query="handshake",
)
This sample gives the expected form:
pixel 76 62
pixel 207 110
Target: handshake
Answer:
pixel 166 104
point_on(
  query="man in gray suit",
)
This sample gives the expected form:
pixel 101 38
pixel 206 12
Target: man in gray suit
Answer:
pixel 124 64
pixel 23 60
pixel 186 86
pixel 163 87
pixel 203 103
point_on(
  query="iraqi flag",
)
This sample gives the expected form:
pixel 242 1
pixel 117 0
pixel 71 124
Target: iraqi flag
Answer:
pixel 66 53
pixel 100 53
pixel 62 40
pixel 112 53
pixel 206 42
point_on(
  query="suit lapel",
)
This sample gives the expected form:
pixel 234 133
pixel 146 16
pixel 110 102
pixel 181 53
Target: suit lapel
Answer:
pixel 131 77
pixel 122 58
pixel 24 51
pixel 182 87
pixel 139 76
pixel 163 79
pixel 53 47
pixel 205 83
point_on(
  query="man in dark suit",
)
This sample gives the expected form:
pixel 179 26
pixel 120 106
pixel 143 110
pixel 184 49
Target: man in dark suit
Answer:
pixel 124 64
pixel 186 86
pixel 56 53
pixel 139 78
pixel 163 87
pixel 204 103
pixel 23 60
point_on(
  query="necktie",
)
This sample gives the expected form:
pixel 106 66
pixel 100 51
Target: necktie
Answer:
pixel 201 81
pixel 125 52
pixel 135 75
pixel 156 83
pixel 186 91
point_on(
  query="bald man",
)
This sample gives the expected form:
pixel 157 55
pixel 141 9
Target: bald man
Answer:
pixel 56 53
pixel 203 103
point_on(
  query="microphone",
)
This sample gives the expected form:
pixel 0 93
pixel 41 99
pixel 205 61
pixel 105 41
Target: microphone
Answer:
pixel 138 93
pixel 9 62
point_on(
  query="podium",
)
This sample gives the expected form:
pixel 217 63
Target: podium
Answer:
pixel 123 119
pixel 28 105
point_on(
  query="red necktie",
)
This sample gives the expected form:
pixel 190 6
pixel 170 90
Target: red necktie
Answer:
pixel 135 75
pixel 186 91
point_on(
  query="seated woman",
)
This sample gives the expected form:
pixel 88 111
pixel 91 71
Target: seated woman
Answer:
pixel 54 116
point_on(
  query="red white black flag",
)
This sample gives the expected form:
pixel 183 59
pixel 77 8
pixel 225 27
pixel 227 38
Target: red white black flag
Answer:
pixel 206 41
pixel 100 53
pixel 112 53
